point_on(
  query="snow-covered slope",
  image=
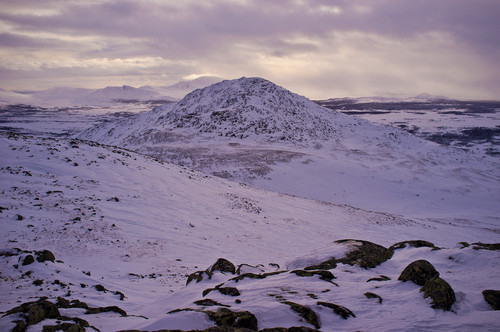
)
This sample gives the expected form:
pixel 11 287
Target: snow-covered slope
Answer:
pixel 126 230
pixel 255 132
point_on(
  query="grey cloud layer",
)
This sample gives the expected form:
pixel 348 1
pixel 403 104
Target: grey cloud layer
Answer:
pixel 209 35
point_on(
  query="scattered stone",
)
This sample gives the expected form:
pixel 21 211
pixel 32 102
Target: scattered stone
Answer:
pixel 255 276
pixel 419 272
pixel 113 199
pixel 493 298
pixel 240 319
pixel 370 295
pixel 379 278
pixel 223 265
pixel 307 313
pixel 19 217
pixel 45 255
pixel 38 282
pixel 28 260
pixel 338 309
pixel 440 292
pixel 414 244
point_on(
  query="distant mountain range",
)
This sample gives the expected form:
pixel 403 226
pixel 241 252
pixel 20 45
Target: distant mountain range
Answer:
pixel 65 96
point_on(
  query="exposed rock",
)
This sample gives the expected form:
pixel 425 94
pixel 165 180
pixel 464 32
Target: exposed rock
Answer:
pixel 113 308
pixel 231 291
pixel 379 278
pixel 35 312
pixel 493 298
pixel 440 292
pixel 226 317
pixel 223 265
pixel 486 246
pixel 413 243
pixel 338 309
pixel 419 272
pixel 307 313
pixel 210 302
pixel 370 295
pixel 255 276
pixel 45 255
pixel 67 327
pixel 28 260
pixel 326 265
pixel 323 274
pixel 198 276
pixel 366 254
pixel 290 329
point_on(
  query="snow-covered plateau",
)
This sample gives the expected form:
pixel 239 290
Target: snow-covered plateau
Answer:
pixel 247 207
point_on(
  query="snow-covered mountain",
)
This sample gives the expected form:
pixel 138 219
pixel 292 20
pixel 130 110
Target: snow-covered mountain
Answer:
pixel 67 96
pixel 182 88
pixel 253 131
pixel 110 238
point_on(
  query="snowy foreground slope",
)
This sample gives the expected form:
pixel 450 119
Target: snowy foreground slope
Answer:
pixel 255 132
pixel 127 230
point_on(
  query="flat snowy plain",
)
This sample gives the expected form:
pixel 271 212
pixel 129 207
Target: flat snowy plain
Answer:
pixel 138 226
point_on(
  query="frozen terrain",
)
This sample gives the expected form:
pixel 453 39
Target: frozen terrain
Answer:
pixel 127 224
pixel 128 230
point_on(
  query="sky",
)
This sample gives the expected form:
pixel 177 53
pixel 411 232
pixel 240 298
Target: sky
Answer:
pixel 318 48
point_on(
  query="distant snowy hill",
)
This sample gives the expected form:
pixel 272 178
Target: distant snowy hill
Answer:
pixel 66 96
pixel 180 89
pixel 253 131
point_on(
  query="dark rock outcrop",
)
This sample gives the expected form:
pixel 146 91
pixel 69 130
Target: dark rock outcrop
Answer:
pixel 366 254
pixel 239 319
pixel 414 244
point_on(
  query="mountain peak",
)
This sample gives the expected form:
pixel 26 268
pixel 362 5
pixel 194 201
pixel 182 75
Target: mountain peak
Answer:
pixel 253 108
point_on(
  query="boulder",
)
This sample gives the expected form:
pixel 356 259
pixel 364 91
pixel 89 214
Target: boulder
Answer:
pixel 440 292
pixel 419 272
pixel 493 298
pixel 223 265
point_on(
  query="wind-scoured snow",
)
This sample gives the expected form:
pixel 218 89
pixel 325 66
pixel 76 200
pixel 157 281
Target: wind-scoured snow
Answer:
pixel 138 227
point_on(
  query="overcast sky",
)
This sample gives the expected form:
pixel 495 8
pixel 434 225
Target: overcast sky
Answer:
pixel 318 48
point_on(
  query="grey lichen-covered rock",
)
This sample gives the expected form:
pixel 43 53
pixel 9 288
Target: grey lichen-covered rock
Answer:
pixel 419 272
pixel 305 312
pixel 440 292
pixel 240 319
pixel 365 254
pixel 338 309
pixel 67 327
pixel 223 265
pixel 493 298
